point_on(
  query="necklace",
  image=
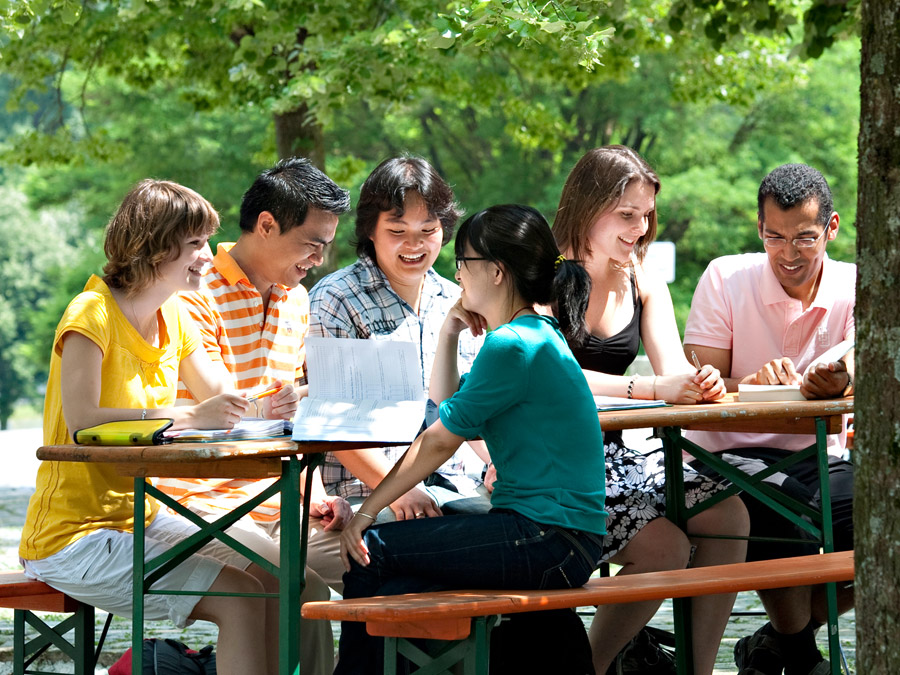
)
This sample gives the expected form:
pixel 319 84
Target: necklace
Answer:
pixel 519 311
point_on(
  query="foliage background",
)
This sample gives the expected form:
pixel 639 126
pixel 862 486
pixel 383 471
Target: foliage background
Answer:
pixel 502 98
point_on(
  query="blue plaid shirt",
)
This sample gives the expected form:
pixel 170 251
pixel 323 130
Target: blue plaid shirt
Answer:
pixel 358 302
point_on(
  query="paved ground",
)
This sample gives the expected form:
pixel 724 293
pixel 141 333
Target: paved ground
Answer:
pixel 16 486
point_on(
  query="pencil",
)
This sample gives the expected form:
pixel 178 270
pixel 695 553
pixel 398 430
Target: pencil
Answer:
pixel 696 360
pixel 263 394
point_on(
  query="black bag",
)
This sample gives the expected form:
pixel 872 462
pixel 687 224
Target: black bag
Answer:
pixel 650 652
pixel 553 641
pixel 169 657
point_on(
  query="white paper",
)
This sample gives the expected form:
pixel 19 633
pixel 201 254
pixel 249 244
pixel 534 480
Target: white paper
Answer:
pixel 361 390
pixel 769 392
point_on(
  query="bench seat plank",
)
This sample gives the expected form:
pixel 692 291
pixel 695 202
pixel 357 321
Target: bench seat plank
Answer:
pixel 447 612
pixel 20 592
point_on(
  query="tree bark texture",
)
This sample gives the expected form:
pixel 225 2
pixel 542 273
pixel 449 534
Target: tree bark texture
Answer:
pixel 877 409
pixel 298 135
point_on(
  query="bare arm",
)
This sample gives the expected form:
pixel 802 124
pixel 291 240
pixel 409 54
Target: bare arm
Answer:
pixel 431 449
pixel 80 384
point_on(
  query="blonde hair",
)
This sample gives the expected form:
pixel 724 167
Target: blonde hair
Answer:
pixel 148 229
pixel 594 186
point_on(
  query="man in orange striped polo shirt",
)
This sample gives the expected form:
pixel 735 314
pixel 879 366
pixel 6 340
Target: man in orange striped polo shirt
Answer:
pixel 253 314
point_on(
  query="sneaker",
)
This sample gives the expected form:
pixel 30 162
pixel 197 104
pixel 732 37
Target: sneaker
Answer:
pixel 758 654
pixel 823 667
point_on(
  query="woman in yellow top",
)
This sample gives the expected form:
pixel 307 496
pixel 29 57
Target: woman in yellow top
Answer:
pixel 117 355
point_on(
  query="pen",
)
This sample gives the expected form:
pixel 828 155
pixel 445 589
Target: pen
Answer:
pixel 696 360
pixel 263 394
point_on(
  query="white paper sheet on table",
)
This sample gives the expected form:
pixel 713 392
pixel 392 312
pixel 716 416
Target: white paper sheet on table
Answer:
pixel 361 390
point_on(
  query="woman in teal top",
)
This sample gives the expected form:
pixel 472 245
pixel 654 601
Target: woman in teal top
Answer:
pixel 527 397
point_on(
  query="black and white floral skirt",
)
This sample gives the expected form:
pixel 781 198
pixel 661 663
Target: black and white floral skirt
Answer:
pixel 636 492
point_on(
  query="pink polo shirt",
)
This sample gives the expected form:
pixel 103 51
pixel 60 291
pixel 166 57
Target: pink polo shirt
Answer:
pixel 740 305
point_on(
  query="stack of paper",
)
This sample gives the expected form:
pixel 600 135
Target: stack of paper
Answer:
pixel 361 390
pixel 791 392
pixel 247 428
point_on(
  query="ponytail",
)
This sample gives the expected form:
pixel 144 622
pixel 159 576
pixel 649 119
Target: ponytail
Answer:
pixel 570 291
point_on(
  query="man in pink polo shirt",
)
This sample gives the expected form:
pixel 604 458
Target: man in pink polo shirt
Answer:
pixel 762 318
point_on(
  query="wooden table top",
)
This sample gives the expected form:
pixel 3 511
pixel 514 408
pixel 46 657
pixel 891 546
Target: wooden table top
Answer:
pixel 232 459
pixel 728 414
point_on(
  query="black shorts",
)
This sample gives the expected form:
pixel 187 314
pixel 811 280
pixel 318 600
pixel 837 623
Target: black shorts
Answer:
pixel 800 481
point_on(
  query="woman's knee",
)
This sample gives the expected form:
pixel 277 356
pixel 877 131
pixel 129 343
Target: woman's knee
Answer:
pixel 729 517
pixel 659 545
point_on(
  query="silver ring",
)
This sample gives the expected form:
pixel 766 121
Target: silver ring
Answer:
pixel 420 514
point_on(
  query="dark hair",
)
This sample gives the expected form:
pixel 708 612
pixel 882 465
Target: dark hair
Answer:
pixel 148 230
pixel 385 190
pixel 288 190
pixel 519 237
pixel 595 186
pixel 793 185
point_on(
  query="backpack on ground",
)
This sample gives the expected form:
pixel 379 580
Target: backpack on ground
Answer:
pixel 553 641
pixel 169 657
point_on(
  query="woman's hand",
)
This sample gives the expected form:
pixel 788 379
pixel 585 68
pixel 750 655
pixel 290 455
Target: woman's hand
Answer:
pixel 459 318
pixel 710 381
pixel 352 544
pixel 678 388
pixel 490 477
pixel 222 411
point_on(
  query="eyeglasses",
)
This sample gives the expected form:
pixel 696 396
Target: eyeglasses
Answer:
pixel 802 242
pixel 460 261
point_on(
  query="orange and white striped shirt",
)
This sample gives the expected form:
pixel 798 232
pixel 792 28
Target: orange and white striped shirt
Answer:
pixel 258 347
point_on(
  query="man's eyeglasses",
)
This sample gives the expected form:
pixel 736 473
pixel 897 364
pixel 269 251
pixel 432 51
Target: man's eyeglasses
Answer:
pixel 460 261
pixel 802 242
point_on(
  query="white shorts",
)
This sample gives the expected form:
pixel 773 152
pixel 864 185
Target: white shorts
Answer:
pixel 97 569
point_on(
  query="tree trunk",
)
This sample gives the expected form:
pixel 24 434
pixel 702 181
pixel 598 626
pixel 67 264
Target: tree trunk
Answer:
pixel 297 135
pixel 877 442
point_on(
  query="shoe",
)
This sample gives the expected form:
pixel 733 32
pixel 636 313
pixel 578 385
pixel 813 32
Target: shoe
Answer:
pixel 823 667
pixel 758 654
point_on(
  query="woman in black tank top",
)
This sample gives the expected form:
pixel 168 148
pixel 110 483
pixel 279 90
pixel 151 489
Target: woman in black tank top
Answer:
pixel 606 220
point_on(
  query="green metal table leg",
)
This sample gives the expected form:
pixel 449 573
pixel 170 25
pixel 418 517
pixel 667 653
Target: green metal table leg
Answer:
pixel 834 637
pixel 137 605
pixel 675 511
pixel 290 585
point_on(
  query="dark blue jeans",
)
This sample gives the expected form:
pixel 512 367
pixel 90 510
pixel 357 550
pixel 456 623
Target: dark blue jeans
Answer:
pixel 497 550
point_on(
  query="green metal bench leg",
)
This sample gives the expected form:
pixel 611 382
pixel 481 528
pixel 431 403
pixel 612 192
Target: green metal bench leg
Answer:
pixel 80 649
pixel 472 652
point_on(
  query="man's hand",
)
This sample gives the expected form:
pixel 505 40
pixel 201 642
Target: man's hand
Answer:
pixel 825 380
pixel 777 371
pixel 415 504
pixel 335 512
pixel 282 404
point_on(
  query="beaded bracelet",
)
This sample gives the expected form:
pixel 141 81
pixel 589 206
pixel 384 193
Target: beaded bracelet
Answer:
pixel 631 385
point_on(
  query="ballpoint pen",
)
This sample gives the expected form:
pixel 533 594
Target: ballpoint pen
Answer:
pixel 696 360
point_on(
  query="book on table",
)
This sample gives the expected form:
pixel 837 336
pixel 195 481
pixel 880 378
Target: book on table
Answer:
pixel 361 390
pixel 791 392
pixel 609 403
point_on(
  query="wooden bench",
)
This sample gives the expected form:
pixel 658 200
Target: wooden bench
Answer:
pixel 26 596
pixel 466 617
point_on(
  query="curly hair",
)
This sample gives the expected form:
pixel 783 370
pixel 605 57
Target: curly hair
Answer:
pixel 792 185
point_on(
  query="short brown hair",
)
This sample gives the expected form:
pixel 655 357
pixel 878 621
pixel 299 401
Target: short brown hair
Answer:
pixel 594 186
pixel 148 230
